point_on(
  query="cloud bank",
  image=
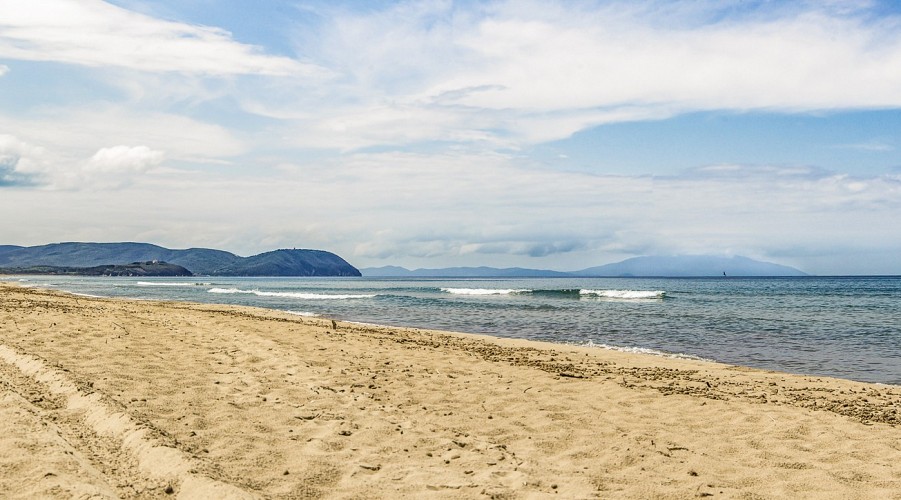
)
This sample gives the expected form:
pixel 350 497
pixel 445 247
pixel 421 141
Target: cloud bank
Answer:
pixel 400 213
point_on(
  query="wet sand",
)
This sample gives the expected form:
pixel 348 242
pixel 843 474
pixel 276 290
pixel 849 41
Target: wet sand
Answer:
pixel 136 399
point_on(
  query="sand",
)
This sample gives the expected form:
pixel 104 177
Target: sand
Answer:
pixel 108 398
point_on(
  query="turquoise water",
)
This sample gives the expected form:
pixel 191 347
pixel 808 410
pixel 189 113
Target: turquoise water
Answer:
pixel 847 327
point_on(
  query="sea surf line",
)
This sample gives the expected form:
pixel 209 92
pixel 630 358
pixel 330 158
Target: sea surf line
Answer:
pixel 845 327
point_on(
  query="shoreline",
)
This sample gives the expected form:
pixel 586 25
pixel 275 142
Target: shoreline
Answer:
pixel 636 349
pixel 258 402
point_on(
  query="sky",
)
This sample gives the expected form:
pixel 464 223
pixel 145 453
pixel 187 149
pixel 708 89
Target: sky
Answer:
pixel 545 134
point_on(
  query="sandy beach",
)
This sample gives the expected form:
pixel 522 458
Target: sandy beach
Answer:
pixel 108 398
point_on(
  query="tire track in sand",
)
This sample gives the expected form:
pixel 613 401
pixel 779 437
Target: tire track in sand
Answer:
pixel 155 461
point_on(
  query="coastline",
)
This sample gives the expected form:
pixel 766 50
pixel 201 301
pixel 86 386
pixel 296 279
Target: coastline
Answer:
pixel 112 397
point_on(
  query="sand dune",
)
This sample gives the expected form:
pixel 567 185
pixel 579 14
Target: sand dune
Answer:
pixel 109 398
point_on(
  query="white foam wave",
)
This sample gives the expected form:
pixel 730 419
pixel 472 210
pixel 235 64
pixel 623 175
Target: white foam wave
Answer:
pixel 645 350
pixel 371 325
pixel 303 313
pixel 292 295
pixel 483 291
pixel 163 283
pixel 624 294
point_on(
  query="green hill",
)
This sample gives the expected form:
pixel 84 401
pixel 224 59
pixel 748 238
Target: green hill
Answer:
pixel 146 269
pixel 202 261
pixel 290 263
pixel 8 248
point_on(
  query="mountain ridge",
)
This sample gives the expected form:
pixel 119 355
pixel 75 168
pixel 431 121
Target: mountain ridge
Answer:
pixel 461 272
pixel 142 269
pixel 200 261
pixel 683 266
pixel 645 266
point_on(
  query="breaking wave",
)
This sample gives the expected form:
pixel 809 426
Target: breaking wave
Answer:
pixel 562 293
pixel 483 291
pixel 292 295
pixel 645 350
pixel 623 294
pixel 164 283
pixel 303 313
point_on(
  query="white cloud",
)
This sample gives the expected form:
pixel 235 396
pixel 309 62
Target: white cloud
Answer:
pixel 95 33
pixel 529 72
pixel 4 69
pixel 875 146
pixel 123 159
pixel 80 131
pixel 19 161
pixel 23 164
pixel 491 75
pixel 110 168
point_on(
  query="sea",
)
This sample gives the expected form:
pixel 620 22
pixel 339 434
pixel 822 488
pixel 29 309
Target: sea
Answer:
pixel 846 327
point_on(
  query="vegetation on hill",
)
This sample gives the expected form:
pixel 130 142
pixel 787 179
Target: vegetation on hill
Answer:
pixel 290 263
pixel 152 268
pixel 201 261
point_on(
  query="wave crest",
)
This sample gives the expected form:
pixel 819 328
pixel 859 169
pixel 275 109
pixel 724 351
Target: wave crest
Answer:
pixel 303 313
pixel 645 350
pixel 292 295
pixel 483 291
pixel 165 283
pixel 605 294
pixel 623 294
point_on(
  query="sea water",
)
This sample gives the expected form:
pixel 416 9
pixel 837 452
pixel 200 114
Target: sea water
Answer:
pixel 847 327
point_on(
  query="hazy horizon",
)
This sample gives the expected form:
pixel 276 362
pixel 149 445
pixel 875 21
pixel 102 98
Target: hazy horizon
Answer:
pixel 428 134
pixel 684 262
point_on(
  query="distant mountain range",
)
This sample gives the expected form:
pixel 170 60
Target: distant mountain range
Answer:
pixel 74 258
pixel 460 272
pixel 691 266
pixel 201 261
pixel 650 266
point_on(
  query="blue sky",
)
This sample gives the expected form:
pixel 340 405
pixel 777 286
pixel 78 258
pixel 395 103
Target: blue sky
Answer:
pixel 552 134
